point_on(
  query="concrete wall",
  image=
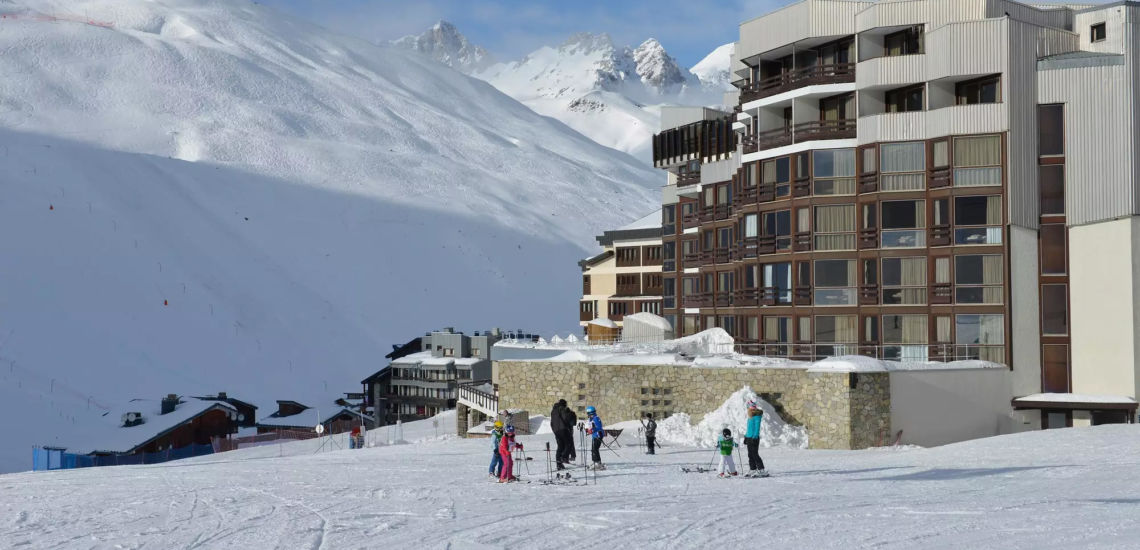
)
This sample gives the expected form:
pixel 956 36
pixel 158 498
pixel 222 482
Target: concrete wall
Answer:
pixel 839 410
pixel 1103 306
pixel 946 406
pixel 1025 312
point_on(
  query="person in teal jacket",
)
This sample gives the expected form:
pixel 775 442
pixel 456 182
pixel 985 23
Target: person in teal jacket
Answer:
pixel 752 442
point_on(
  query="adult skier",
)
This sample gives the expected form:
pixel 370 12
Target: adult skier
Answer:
pixel 752 441
pixel 596 433
pixel 496 459
pixel 726 445
pixel 650 433
pixel 506 446
pixel 569 420
pixel 558 428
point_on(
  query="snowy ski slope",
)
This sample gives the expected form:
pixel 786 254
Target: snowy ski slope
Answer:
pixel 1060 489
pixel 208 196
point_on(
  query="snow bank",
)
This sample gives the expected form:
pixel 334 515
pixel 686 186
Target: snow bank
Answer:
pixel 733 414
pixel 711 341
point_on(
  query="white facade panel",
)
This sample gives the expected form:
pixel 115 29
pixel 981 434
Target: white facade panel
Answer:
pixel 890 72
pixel 1025 311
pixel 1045 16
pixel 796 22
pixel 957 120
pixel 973 48
pixel 977 400
pixel 721 170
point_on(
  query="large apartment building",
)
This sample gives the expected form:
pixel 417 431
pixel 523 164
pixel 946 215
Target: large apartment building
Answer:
pixel 921 180
pixel 625 278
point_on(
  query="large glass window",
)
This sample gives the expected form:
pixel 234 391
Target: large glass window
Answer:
pixel 904 42
pixel 779 226
pixel 669 292
pixel 836 334
pixel 905 337
pixel 983 212
pixel 835 282
pixel 779 277
pixel 834 172
pixel 903 166
pixel 980 336
pixel 1051 129
pixel 977 161
pixel 978 279
pixel 902 100
pixel 1053 249
pixel 835 227
pixel 1052 180
pixel 903 223
pixel 749 226
pixel 1054 310
pixel 778 172
pixel 904 281
pixel 982 90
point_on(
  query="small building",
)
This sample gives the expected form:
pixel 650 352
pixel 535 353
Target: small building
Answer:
pixel 625 278
pixel 645 328
pixel 287 417
pixel 247 412
pixel 602 331
pixel 422 384
pixel 292 416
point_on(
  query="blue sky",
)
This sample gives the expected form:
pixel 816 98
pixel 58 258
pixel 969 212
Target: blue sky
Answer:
pixel 510 29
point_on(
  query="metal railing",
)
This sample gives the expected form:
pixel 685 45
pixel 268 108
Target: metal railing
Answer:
pixel 798 78
pixel 920 353
pixel 476 396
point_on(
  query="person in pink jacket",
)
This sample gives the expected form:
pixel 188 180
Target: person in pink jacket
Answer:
pixel 506 445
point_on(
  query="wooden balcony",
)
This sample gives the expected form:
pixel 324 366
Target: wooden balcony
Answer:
pixel 869 295
pixel 702 299
pixel 723 255
pixel 802 296
pixel 628 290
pixel 868 238
pixel 773 138
pixel 939 177
pixel 869 183
pixel 723 299
pixel 940 235
pixel 584 315
pixel 746 196
pixel 692 259
pixel 941 294
pixel 801 188
pixel 749 143
pixel 688 178
pixel 824 129
pixel 766 192
pixel 791 80
pixel 747 297
pixel 801 242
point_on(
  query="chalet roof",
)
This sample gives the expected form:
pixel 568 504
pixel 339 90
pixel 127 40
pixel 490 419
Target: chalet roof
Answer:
pixel 411 346
pixel 386 371
pixel 108 435
pixel 595 260
pixel 308 421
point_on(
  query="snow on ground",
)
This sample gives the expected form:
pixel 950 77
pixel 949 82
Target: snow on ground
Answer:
pixel 1060 489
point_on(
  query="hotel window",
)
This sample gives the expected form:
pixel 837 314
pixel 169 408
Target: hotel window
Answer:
pixel 689 249
pixel 669 256
pixel 748 226
pixel 691 324
pixel 1052 181
pixel 980 336
pixel 905 337
pixel 708 198
pixel 840 107
pixel 905 100
pixel 669 219
pixel 725 283
pixel 585 284
pixel 869 164
pixel 870 329
pixel 903 224
pixel 779 277
pixel 1054 310
pixel 904 281
pixel 690 286
pixel 723 194
pixel 1051 129
pixel 977 161
pixel 942 329
pixel 1055 368
pixel 835 282
pixel 834 172
pixel 752 329
pixel 982 90
pixel 778 329
pixel 1053 249
pixel 903 166
pixel 803 331
pixel 941 152
pixel 803 220
pixel 750 173
pixel 836 335
pixel 778 173
pixel 669 293
pixel 982 212
pixel 724 237
pixel 835 227
pixel 978 279
pixel 778 225
pixel 904 42
pixel 1098 32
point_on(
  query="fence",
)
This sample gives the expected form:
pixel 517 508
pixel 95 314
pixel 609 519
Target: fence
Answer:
pixel 222 444
pixel 56 459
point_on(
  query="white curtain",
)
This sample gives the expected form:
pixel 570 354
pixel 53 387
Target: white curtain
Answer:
pixel 750 228
pixel 977 177
pixel 903 182
pixel 903 157
pixel 977 151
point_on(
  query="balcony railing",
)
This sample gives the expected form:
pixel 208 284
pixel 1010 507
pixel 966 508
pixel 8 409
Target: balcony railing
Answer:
pixel 479 395
pixel 940 235
pixel 941 293
pixel 773 138
pixel 824 129
pixel 688 178
pixel 888 352
pixel 628 290
pixel 701 299
pixel 807 76
pixel 749 143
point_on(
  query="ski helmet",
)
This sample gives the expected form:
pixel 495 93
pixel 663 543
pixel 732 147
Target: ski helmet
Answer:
pixel 510 428
pixel 648 415
pixel 591 410
pixel 498 423
pixel 727 432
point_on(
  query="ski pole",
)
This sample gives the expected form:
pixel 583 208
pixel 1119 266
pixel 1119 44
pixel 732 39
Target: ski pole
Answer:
pixel 523 451
pixel 715 449
pixel 739 466
pixel 548 472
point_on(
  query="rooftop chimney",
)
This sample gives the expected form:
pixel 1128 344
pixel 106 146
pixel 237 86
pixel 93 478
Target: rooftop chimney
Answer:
pixel 169 403
pixel 222 396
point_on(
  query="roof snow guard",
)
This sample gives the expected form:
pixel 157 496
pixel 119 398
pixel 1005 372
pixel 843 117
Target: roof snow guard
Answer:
pixel 1075 401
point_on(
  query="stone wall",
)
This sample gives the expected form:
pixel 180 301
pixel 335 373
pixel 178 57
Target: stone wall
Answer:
pixel 839 410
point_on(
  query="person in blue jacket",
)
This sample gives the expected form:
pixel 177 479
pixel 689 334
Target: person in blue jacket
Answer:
pixel 596 433
pixel 496 468
pixel 752 441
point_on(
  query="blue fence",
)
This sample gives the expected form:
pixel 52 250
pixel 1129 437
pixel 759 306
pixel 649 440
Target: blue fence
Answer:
pixel 55 459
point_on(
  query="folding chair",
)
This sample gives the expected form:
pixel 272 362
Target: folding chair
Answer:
pixel 614 434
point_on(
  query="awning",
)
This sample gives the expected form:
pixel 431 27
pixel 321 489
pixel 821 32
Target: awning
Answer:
pixel 1075 401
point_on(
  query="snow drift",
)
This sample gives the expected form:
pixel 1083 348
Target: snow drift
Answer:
pixel 733 414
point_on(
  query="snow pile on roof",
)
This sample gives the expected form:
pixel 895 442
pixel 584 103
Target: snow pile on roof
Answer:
pixel 109 434
pixel 604 323
pixel 733 414
pixel 1076 398
pixel 712 341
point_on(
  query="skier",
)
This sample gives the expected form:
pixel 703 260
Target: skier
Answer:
pixel 569 420
pixel 506 445
pixel 597 433
pixel 650 433
pixel 752 441
pixel 558 428
pixel 496 458
pixel 726 445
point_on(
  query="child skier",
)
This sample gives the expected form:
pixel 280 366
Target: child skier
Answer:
pixel 752 441
pixel 506 445
pixel 597 433
pixel 496 458
pixel 726 445
pixel 650 433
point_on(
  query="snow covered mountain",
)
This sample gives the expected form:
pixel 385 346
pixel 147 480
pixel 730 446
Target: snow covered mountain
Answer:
pixel 713 70
pixel 610 93
pixel 445 44
pixel 207 195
